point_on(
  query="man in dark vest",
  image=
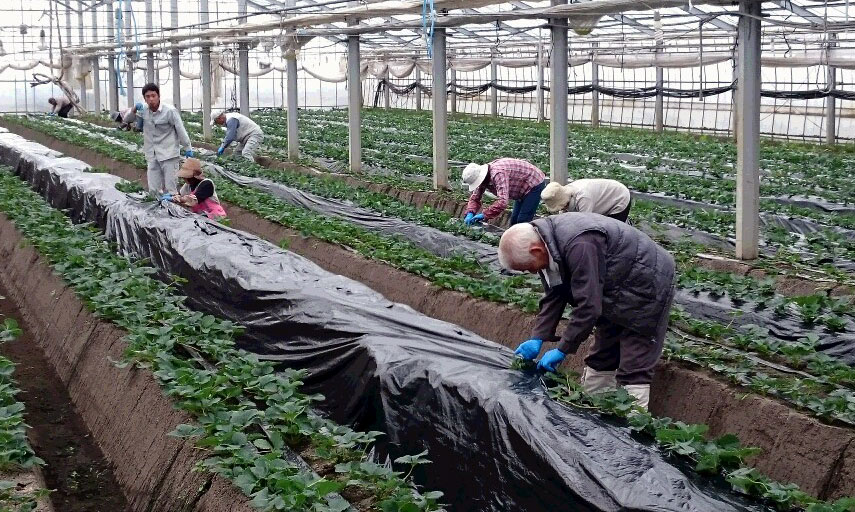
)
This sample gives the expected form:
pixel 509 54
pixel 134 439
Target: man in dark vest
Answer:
pixel 616 278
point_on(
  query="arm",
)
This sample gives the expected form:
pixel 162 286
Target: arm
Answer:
pixel 588 259
pixel 474 203
pixel 183 138
pixel 231 132
pixel 549 313
pixel 500 182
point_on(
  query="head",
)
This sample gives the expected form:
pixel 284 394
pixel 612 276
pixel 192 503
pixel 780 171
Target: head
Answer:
pixel 52 101
pixel 474 175
pixel 190 170
pixel 521 248
pixel 555 197
pixel 151 95
pixel 218 118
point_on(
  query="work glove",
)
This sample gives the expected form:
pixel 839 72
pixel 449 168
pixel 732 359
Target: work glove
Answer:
pixel 220 150
pixel 166 197
pixel 52 114
pixel 189 153
pixel 550 360
pixel 138 106
pixel 472 219
pixel 528 350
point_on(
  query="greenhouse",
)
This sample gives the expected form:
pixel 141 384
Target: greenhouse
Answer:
pixel 437 255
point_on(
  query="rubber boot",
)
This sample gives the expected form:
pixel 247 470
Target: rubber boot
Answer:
pixel 595 381
pixel 641 392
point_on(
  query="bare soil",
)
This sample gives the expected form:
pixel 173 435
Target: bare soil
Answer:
pixel 797 448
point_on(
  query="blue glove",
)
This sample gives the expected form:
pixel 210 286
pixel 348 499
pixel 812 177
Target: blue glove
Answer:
pixel 468 218
pixel 138 106
pixel 528 350
pixel 220 150
pixel 477 218
pixel 472 219
pixel 52 114
pixel 550 360
pixel 166 197
pixel 189 153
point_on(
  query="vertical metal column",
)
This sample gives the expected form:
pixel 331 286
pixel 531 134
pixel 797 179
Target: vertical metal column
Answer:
pixel 81 39
pixel 387 93
pixel 243 65
pixel 558 101
pixel 418 89
pixel 453 93
pixel 112 82
pixel 149 56
pixel 831 101
pixel 206 73
pixel 291 92
pixel 494 80
pixel 595 95
pixel 354 104
pixel 440 112
pixel 96 66
pixel 176 65
pixel 128 61
pixel 539 85
pixel 748 131
pixel 658 110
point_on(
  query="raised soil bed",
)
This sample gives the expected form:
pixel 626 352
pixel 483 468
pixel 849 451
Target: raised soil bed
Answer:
pixel 797 448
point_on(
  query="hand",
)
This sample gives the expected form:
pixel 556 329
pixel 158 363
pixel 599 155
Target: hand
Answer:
pixel 220 150
pixel 138 106
pixel 478 218
pixel 550 360
pixel 528 350
pixel 472 218
pixel 52 114
pixel 166 197
pixel 189 153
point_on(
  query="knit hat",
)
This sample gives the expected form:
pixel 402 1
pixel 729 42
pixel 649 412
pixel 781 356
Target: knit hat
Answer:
pixel 474 175
pixel 191 167
pixel 555 197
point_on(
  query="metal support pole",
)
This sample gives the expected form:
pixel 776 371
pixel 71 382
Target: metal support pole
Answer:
pixel 291 93
pixel 387 93
pixel 112 82
pixel 128 61
pixel 354 105
pixel 595 95
pixel 539 85
pixel 440 112
pixel 206 74
pixel 558 101
pixel 149 56
pixel 243 65
pixel 494 80
pixel 81 39
pixel 96 66
pixel 176 65
pixel 748 131
pixel 831 101
pixel 418 89
pixel 453 93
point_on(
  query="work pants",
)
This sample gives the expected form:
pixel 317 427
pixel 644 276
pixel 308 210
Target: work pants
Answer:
pixel 525 208
pixel 248 148
pixel 161 176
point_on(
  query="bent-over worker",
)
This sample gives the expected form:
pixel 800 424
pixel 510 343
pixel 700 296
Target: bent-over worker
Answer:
pixel 127 117
pixel 606 197
pixel 198 192
pixel 616 278
pixel 163 136
pixel 506 178
pixel 241 129
pixel 61 106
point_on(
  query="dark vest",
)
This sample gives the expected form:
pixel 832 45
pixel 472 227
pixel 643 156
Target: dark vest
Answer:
pixel 639 274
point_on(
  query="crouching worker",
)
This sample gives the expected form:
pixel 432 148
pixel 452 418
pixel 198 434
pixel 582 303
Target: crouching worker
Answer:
pixel 241 129
pixel 606 197
pixel 126 119
pixel 61 106
pixel 617 280
pixel 198 192
pixel 506 178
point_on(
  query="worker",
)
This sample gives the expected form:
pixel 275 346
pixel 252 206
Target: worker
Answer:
pixel 127 118
pixel 198 192
pixel 61 106
pixel 606 197
pixel 241 129
pixel 163 134
pixel 616 278
pixel 506 178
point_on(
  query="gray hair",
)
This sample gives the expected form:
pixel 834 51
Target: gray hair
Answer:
pixel 515 245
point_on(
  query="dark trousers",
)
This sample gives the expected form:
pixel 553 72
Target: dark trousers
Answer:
pixel 622 215
pixel 525 208
pixel 631 355
pixel 63 112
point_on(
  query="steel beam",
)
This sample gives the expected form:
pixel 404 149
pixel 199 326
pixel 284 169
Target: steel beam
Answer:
pixel 112 82
pixel 539 85
pixel 453 98
pixel 243 65
pixel 558 101
pixel 831 101
pixel 440 112
pixel 81 39
pixel 175 60
pixel 418 89
pixel 149 56
pixel 595 95
pixel 206 75
pixel 354 105
pixel 96 67
pixel 128 61
pixel 494 79
pixel 658 109
pixel 748 131
pixel 387 93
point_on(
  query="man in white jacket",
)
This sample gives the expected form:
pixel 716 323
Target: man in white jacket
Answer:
pixel 241 129
pixel 163 136
pixel 606 197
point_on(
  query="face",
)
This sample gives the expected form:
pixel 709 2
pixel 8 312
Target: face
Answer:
pixel 152 99
pixel 540 259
